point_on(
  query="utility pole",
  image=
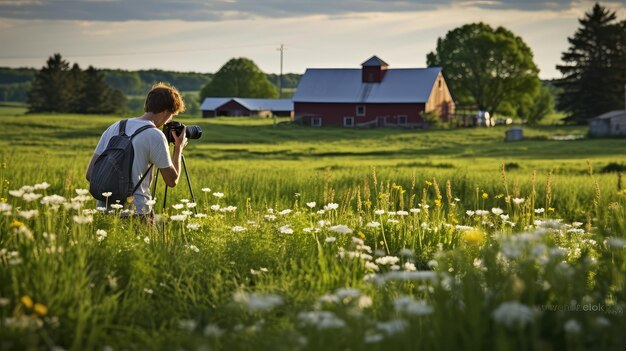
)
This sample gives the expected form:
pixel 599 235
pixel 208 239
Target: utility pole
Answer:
pixel 280 78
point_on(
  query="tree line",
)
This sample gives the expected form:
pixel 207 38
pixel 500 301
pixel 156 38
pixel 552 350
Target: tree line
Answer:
pixel 15 83
pixel 493 69
pixel 59 88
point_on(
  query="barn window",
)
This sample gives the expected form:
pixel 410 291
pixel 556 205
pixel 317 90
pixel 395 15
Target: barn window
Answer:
pixel 360 110
pixel 439 83
pixel 348 121
pixel 316 122
pixel 401 119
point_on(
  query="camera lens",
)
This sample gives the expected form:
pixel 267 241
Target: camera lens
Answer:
pixel 194 132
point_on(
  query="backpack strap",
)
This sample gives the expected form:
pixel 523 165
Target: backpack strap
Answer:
pixel 141 129
pixel 122 130
pixel 141 180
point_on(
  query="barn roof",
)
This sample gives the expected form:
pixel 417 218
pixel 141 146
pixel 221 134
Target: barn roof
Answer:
pixel 266 104
pixel 211 104
pixel 400 85
pixel 251 104
pixel 612 114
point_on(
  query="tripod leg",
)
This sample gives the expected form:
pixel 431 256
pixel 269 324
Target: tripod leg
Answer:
pixel 193 198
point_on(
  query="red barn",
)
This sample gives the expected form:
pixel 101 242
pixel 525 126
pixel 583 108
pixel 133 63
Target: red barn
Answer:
pixel 373 96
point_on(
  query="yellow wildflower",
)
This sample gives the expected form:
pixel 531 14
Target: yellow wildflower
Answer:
pixel 382 196
pixel 428 183
pixel 40 309
pixel 473 237
pixel 550 209
pixel 485 195
pixel 624 191
pixel 3 199
pixel 361 235
pixel 27 301
pixel 16 224
pixel 438 203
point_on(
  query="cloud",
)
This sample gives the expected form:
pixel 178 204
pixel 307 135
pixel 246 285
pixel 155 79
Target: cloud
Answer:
pixel 218 10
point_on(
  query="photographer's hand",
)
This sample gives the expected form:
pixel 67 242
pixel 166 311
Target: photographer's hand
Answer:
pixel 180 141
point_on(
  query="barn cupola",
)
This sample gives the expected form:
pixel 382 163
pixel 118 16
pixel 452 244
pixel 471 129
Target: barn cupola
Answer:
pixel 373 70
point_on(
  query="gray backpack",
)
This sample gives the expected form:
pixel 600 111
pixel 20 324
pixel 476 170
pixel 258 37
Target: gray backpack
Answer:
pixel 112 169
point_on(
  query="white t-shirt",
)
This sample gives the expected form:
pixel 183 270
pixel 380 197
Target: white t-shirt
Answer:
pixel 150 148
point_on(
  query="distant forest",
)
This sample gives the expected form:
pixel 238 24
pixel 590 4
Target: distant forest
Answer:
pixel 15 83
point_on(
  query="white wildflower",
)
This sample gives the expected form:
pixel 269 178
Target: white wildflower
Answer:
pixel 30 197
pixel 212 330
pixel 393 326
pixel 321 320
pixel 311 204
pixel 572 326
pixel 178 218
pixel 193 226
pixel 379 212
pixel 331 206
pixel 238 229
pixel 187 324
pixel 409 267
pixel 41 186
pixel 513 314
pixel 387 260
pixel 371 266
pixel 83 219
pixel 257 302
pixel 101 234
pixel 341 229
pixel 205 190
pixel 415 210
pixel 517 200
pixel 178 206
pixel 28 214
pixel 406 304
pixel 373 225
pixel 330 239
pixel 284 212
pixel 286 229
pixel 218 195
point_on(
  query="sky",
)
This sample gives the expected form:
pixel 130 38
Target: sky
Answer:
pixel 202 35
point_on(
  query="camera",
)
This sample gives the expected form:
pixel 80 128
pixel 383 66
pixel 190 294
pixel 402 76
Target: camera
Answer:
pixel 193 132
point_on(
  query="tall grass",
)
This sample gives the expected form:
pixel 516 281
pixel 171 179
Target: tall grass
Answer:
pixel 337 245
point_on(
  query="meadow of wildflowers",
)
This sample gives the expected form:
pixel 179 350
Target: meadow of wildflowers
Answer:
pixel 310 254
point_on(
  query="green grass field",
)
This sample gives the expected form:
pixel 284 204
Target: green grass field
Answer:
pixel 324 238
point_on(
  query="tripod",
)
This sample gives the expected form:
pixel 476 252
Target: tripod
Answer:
pixel 193 198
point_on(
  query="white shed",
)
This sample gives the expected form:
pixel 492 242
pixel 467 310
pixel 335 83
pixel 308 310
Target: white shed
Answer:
pixel 609 124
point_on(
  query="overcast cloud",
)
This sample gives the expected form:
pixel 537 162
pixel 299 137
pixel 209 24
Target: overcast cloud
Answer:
pixel 213 10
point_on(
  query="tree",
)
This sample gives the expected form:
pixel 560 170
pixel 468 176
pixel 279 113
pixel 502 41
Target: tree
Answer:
pixel 239 77
pixel 594 68
pixel 96 92
pixel 533 109
pixel 50 88
pixel 486 67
